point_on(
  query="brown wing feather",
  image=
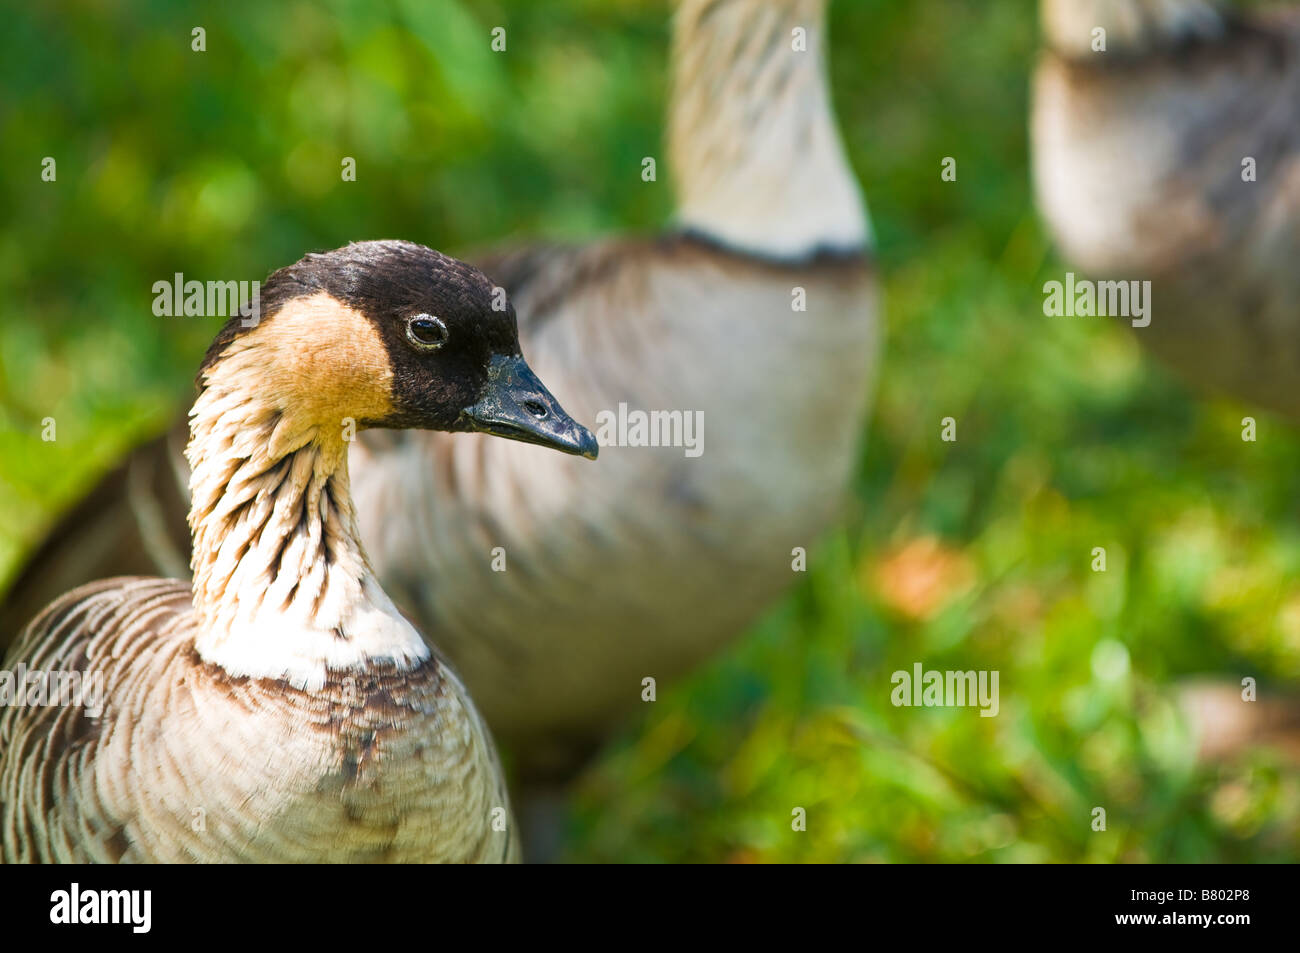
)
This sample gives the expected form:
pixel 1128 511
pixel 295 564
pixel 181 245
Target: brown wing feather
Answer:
pixel 49 808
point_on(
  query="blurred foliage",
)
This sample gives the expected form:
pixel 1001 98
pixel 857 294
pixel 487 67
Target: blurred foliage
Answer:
pixel 973 555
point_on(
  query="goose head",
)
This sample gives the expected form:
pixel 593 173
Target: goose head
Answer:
pixel 393 334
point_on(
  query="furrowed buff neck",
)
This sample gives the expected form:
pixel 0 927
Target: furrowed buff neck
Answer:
pixel 282 585
pixel 755 151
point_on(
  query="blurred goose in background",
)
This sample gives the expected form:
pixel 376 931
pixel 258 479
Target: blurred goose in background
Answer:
pixel 1139 154
pixel 282 698
pixel 1143 160
pixel 645 565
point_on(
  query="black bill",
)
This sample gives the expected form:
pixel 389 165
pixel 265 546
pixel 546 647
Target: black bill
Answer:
pixel 517 405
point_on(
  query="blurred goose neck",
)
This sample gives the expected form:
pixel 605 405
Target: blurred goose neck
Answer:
pixel 755 150
pixel 282 584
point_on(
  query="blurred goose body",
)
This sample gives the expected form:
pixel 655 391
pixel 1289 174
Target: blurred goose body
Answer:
pixel 280 708
pixel 558 589
pixel 1174 157
pixel 645 565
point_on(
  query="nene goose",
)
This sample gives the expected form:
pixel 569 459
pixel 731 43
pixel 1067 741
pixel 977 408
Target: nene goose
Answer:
pixel 644 565
pixel 1174 156
pixel 282 709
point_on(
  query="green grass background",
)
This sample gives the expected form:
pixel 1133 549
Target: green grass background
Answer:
pixel 225 164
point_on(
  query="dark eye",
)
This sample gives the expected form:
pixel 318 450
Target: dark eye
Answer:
pixel 426 332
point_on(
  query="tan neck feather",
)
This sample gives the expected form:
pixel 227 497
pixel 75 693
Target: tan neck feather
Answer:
pixel 282 585
pixel 756 154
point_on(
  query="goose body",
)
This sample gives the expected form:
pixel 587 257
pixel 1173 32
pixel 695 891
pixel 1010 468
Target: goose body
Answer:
pixel 189 764
pixel 644 565
pixel 279 708
pixel 1174 157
